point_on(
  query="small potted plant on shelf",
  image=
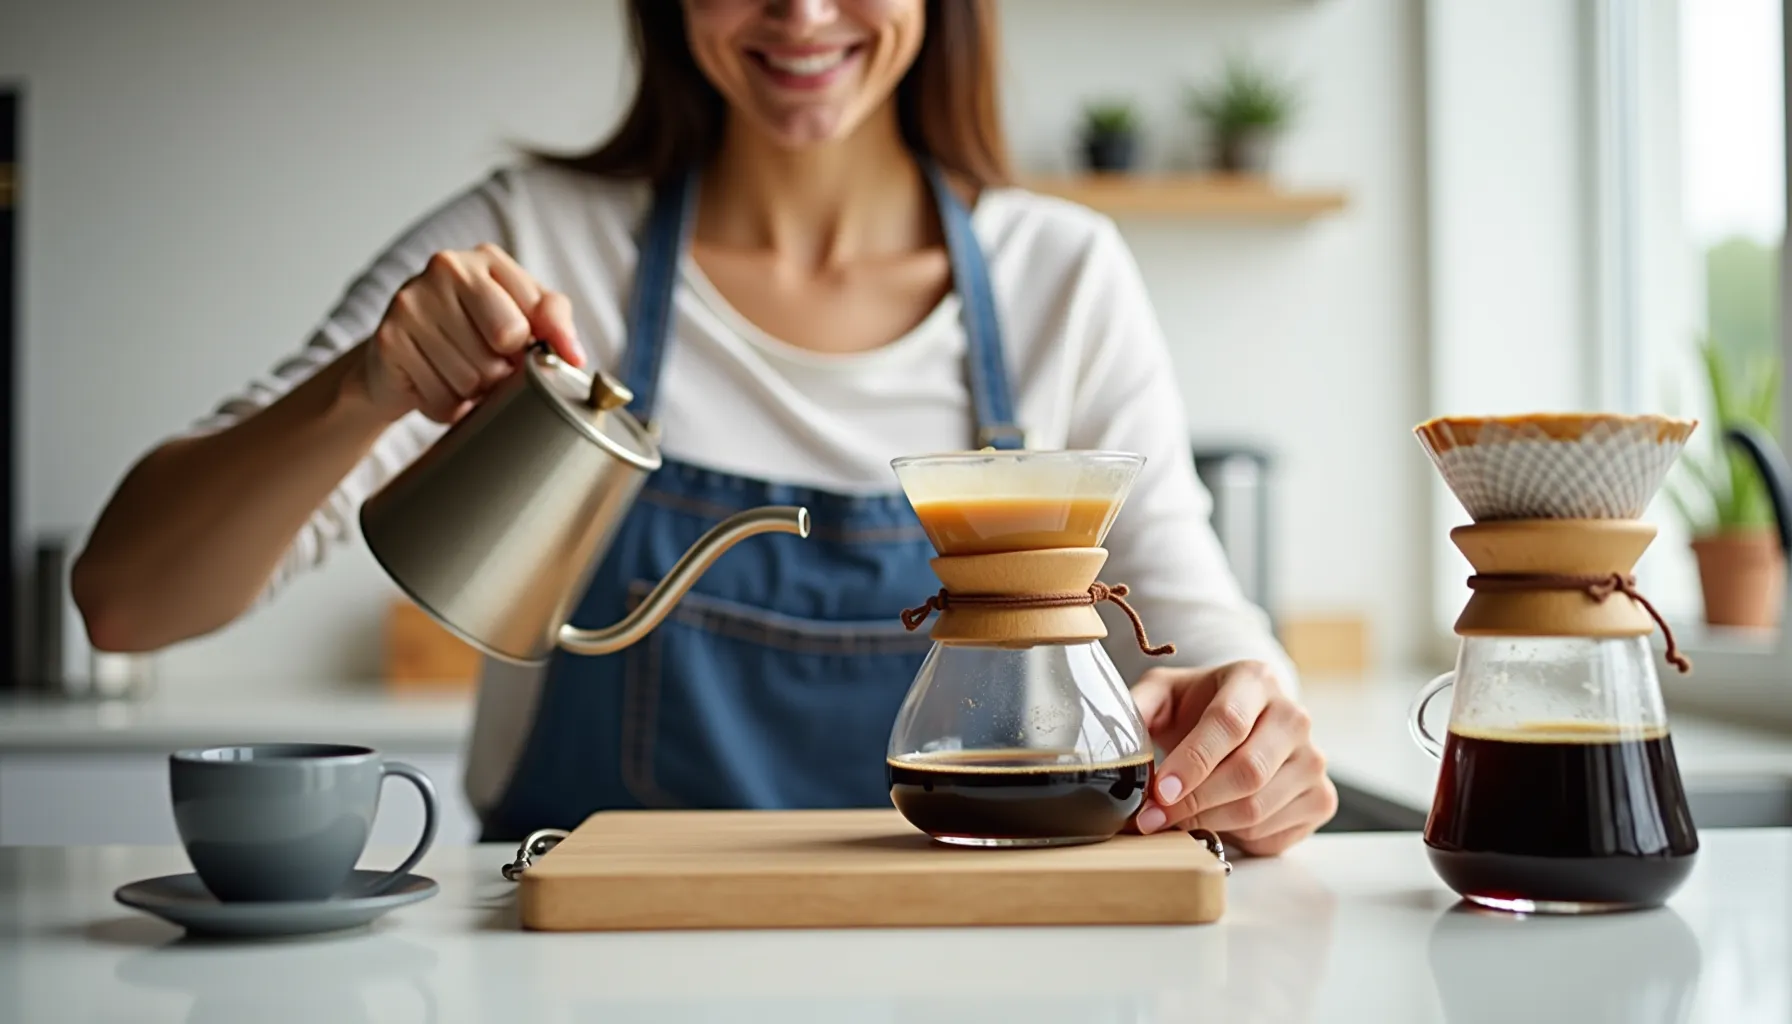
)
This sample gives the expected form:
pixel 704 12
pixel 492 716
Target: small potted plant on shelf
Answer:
pixel 1245 110
pixel 1742 571
pixel 1110 136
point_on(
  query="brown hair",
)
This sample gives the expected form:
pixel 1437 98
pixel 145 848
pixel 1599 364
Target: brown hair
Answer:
pixel 946 103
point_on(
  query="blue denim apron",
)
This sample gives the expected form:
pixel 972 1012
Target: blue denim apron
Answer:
pixel 774 683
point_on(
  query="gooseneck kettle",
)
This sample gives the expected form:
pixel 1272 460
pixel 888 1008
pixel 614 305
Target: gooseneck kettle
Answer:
pixel 496 529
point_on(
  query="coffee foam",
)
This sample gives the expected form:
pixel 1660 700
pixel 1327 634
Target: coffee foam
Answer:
pixel 1566 731
pixel 1032 762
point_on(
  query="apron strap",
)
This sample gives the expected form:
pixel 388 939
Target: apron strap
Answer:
pixel 649 322
pixel 991 397
pixel 662 244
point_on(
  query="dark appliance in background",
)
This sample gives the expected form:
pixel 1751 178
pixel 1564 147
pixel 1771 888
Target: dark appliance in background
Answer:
pixel 11 259
pixel 1239 478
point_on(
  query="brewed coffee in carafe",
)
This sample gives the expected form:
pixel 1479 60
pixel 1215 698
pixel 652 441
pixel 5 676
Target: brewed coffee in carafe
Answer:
pixel 1558 789
pixel 1018 729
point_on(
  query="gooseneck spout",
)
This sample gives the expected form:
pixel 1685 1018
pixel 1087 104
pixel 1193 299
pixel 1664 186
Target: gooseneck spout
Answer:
pixel 695 562
pixel 1771 463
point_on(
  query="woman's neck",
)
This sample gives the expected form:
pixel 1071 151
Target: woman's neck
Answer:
pixel 821 206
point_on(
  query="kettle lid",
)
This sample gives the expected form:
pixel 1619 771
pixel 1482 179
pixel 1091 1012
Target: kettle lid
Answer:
pixel 596 404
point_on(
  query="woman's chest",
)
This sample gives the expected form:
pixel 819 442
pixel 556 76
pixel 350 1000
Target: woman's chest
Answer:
pixel 851 308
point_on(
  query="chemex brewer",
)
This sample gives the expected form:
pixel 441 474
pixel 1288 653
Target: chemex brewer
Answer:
pixel 1558 791
pixel 1018 729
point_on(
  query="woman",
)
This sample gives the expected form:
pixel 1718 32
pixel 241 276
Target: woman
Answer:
pixel 801 252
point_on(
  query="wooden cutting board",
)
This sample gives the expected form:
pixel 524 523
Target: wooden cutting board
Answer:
pixel 635 870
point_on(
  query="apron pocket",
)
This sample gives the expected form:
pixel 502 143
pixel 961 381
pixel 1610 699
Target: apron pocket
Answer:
pixel 730 706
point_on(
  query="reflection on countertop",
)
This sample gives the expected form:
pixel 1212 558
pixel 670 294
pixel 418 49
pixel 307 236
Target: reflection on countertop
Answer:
pixel 1342 928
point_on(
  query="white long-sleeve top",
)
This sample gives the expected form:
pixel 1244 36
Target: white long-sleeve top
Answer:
pixel 1089 363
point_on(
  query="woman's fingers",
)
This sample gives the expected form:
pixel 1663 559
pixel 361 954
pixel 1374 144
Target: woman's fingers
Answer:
pixel 1276 833
pixel 551 320
pixel 1280 731
pixel 549 313
pixel 497 328
pixel 431 394
pixel 1227 721
pixel 1251 809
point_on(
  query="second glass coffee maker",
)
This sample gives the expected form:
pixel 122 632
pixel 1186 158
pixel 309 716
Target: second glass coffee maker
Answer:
pixel 1558 790
pixel 1018 729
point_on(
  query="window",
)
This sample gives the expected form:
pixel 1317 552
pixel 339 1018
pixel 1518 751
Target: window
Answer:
pixel 1691 194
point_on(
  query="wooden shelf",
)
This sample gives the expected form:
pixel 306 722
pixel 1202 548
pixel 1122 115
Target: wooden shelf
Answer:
pixel 1215 196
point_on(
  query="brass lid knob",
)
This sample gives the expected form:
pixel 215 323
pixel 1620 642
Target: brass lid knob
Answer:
pixel 608 393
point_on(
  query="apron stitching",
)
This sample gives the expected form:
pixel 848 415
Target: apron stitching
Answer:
pixel 641 727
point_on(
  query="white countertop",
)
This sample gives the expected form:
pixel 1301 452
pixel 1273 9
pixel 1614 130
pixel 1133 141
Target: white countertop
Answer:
pixel 1343 928
pixel 195 717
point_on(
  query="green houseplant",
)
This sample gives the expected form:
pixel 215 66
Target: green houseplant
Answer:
pixel 1723 498
pixel 1110 135
pixel 1244 109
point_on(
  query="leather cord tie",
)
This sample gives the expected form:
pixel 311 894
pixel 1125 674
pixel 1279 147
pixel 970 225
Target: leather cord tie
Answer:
pixel 1596 587
pixel 1098 592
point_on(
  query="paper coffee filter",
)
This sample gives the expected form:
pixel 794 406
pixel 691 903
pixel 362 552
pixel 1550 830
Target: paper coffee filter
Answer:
pixel 1554 465
pixel 984 475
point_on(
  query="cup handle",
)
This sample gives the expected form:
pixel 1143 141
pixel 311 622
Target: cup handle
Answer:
pixel 427 791
pixel 1416 717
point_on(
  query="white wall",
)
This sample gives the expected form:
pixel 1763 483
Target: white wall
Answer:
pixel 205 175
pixel 1305 338
pixel 1509 151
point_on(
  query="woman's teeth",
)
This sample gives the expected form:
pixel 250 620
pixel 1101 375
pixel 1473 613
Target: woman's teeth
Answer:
pixel 812 64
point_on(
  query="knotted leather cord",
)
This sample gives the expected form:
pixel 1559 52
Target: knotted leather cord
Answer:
pixel 1596 587
pixel 1097 593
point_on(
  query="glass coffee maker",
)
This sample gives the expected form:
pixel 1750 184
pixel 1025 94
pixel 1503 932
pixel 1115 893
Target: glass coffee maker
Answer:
pixel 1558 790
pixel 1018 729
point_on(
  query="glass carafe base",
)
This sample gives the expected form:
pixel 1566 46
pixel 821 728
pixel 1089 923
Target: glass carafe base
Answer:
pixel 1516 906
pixel 1533 884
pixel 985 842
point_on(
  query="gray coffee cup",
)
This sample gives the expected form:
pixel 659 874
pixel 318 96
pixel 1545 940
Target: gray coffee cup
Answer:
pixel 286 821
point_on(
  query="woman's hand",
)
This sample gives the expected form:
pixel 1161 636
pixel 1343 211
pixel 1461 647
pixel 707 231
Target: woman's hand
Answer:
pixel 1241 762
pixel 457 328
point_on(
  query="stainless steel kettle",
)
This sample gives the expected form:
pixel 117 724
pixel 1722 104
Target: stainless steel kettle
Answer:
pixel 496 530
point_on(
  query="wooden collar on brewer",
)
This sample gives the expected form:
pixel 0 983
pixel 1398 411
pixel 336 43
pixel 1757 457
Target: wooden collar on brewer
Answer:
pixel 1023 598
pixel 1555 577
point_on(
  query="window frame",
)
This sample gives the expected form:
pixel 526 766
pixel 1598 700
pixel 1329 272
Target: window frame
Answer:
pixel 1739 679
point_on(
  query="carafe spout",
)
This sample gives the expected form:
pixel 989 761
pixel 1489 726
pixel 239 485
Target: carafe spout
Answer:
pixel 695 562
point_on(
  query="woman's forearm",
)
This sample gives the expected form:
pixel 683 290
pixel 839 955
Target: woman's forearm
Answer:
pixel 199 525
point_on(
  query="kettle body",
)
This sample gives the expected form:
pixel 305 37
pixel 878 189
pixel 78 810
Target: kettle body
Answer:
pixel 497 528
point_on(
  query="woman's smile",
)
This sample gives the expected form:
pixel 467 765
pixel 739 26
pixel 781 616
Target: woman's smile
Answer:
pixel 805 68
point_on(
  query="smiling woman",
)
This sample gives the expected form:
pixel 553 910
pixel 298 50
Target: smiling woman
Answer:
pixel 938 59
pixel 801 253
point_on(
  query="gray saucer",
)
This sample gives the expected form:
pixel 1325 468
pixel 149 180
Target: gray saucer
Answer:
pixel 184 900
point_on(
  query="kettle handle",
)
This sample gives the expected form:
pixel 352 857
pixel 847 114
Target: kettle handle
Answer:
pixel 1766 456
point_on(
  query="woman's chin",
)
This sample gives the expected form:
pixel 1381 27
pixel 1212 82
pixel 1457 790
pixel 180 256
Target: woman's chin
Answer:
pixel 806 129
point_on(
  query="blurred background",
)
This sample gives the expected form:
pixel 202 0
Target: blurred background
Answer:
pixel 1351 215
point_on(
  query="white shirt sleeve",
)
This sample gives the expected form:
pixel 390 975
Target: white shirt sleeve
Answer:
pixel 1162 546
pixel 474 216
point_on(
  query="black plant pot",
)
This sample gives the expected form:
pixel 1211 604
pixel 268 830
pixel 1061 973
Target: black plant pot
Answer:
pixel 1110 153
pixel 1247 153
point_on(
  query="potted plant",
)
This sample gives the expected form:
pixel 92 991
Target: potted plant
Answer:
pixel 1244 110
pixel 1742 571
pixel 1110 136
